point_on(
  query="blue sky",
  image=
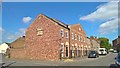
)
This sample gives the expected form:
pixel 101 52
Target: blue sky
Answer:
pixel 93 16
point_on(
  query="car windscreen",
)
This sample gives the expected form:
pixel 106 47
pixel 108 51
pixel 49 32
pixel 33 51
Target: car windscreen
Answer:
pixel 101 50
pixel 92 52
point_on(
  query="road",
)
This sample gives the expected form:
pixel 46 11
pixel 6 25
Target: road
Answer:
pixel 105 60
pixel 101 61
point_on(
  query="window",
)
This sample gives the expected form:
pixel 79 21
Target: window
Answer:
pixel 72 36
pixel 77 50
pixel 79 29
pixel 79 37
pixel 62 47
pixel 66 34
pixel 3 51
pixel 67 51
pixel 75 37
pixel 40 31
pixel 62 33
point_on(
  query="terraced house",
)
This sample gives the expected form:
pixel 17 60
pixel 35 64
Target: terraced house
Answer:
pixel 49 39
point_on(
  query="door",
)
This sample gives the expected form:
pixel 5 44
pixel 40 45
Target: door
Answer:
pixel 66 50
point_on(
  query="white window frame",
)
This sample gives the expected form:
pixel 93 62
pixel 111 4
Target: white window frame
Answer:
pixel 75 36
pixel 40 31
pixel 62 32
pixel 72 48
pixel 72 36
pixel 67 35
pixel 79 37
pixel 77 50
pixel 80 29
pixel 62 48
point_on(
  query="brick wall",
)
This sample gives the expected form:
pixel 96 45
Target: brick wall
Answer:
pixel 78 31
pixel 18 53
pixel 47 45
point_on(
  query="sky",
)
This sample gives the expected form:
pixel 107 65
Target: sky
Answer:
pixel 97 18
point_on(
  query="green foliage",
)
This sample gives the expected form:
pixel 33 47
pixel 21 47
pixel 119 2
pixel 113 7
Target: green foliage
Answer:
pixel 104 42
pixel 9 55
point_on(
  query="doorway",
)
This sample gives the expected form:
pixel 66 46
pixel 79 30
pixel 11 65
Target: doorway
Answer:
pixel 67 51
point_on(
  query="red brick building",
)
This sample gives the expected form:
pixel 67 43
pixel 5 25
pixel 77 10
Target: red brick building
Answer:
pixel 49 39
pixel 95 43
pixel 78 41
pixel 116 43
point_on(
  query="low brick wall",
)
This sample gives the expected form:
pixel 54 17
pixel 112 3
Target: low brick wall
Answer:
pixel 18 54
pixel 26 54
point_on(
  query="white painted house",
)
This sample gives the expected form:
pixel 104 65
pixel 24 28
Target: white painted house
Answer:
pixel 4 47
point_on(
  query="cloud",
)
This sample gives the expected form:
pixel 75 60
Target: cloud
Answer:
pixel 26 19
pixel 11 37
pixel 21 32
pixel 104 12
pixel 109 26
pixel 1 29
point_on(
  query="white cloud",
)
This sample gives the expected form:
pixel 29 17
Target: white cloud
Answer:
pixel 1 29
pixel 26 19
pixel 103 12
pixel 11 37
pixel 21 32
pixel 109 26
pixel 106 12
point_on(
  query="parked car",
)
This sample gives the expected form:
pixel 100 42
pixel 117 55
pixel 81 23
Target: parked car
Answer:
pixel 103 51
pixel 93 54
pixel 117 59
pixel 114 51
pixel 111 50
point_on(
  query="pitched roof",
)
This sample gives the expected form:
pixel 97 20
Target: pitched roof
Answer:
pixel 77 25
pixel 56 21
pixel 94 38
pixel 18 43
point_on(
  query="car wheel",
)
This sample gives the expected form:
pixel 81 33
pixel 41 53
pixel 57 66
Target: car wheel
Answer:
pixel 96 56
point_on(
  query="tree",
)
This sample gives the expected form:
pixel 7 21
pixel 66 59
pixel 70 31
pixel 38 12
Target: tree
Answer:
pixel 104 43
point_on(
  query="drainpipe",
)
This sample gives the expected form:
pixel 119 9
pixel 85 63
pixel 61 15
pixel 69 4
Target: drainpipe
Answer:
pixel 69 42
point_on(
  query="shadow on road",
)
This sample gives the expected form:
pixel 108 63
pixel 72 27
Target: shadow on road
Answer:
pixel 114 66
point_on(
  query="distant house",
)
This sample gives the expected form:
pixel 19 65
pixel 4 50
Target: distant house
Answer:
pixel 95 43
pixel 18 43
pixel 116 43
pixel 4 47
pixel 88 43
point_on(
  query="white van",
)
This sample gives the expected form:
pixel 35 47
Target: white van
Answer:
pixel 102 51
